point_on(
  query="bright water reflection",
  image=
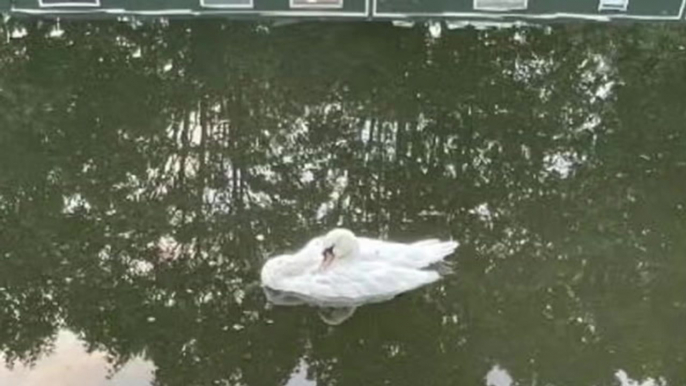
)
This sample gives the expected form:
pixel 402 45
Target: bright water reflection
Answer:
pixel 69 364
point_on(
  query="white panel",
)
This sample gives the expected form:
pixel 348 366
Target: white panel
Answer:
pixel 613 5
pixel 316 3
pixel 67 3
pixel 226 3
pixel 500 5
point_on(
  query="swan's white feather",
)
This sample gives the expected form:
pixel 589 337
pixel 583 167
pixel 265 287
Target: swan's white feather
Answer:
pixel 417 255
pixel 380 271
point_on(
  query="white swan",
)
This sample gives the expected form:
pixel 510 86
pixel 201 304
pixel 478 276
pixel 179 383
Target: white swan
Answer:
pixel 343 271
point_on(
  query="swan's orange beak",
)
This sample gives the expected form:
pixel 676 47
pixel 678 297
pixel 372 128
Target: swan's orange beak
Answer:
pixel 328 258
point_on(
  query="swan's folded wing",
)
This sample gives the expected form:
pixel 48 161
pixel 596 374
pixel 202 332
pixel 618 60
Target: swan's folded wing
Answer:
pixel 305 261
pixel 417 255
pixel 363 282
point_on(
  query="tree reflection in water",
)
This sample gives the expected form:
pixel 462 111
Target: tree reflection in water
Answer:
pixel 147 171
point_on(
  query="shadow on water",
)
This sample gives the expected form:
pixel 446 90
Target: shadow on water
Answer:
pixel 148 170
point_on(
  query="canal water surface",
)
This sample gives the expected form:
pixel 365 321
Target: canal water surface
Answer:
pixel 148 170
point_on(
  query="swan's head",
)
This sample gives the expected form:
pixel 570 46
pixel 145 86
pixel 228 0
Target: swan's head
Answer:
pixel 339 244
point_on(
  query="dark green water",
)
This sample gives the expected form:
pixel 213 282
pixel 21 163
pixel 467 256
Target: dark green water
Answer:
pixel 145 174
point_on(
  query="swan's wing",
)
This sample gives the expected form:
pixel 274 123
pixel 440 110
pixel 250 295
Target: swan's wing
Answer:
pixel 305 261
pixel 416 255
pixel 355 284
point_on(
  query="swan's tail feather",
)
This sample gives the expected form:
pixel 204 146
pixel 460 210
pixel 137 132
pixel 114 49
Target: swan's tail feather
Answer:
pixel 447 247
pixel 433 252
pixel 424 243
pixel 442 249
